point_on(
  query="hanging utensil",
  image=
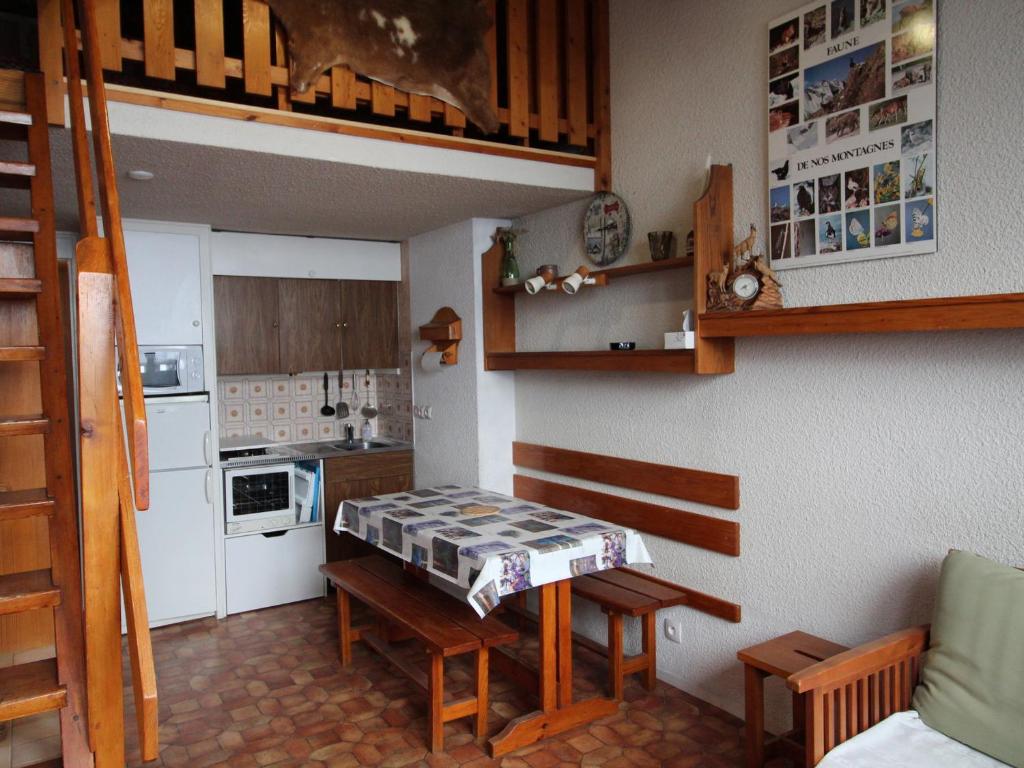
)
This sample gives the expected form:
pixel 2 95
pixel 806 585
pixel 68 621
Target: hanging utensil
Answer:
pixel 326 410
pixel 368 411
pixel 355 394
pixel 341 406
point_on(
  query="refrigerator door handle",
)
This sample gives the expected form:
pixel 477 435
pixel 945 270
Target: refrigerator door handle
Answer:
pixel 208 447
pixel 209 486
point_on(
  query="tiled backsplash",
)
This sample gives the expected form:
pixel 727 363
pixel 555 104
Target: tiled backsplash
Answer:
pixel 287 408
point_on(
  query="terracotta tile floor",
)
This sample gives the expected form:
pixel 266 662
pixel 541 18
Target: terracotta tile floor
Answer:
pixel 265 689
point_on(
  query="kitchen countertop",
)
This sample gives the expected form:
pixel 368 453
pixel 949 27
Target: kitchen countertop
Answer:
pixel 320 449
pixel 326 449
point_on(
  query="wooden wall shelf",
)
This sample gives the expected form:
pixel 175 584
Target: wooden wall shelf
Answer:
pixel 654 360
pixel 604 276
pixel 712 216
pixel 957 313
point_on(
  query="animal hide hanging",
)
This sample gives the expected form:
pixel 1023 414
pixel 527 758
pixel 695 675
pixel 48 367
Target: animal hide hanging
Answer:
pixel 429 47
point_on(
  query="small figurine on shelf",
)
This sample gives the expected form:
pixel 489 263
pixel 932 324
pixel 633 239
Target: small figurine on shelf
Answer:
pixel 745 281
pixel 509 264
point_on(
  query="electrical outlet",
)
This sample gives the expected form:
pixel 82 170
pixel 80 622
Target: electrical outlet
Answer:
pixel 673 631
pixel 428 412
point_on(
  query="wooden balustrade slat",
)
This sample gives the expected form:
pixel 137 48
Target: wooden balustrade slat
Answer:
pixel 107 14
pixel 547 70
pixel 491 48
pixel 419 108
pixel 343 88
pixel 453 118
pixel 576 71
pixel 518 44
pixel 79 138
pixel 209 23
pixel 600 62
pixel 158 35
pixel 50 35
pixel 382 99
pixel 256 46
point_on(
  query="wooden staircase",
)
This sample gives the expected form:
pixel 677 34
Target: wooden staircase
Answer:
pixel 33 371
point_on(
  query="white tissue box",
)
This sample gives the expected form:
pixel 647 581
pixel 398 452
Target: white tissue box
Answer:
pixel 679 340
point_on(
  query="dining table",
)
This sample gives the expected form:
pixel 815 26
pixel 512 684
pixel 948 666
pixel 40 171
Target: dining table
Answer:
pixel 484 547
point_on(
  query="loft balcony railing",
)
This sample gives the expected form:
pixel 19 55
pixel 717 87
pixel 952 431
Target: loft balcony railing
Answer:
pixel 549 76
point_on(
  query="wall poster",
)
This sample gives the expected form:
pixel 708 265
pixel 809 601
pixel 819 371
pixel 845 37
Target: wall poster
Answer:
pixel 851 132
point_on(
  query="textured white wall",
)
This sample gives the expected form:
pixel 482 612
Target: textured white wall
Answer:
pixel 469 438
pixel 862 459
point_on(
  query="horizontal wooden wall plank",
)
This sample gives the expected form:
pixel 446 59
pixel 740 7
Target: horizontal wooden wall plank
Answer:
pixel 676 524
pixel 678 482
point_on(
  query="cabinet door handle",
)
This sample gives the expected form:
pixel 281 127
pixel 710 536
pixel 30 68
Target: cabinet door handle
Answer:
pixel 208 447
pixel 209 486
pixel 275 324
pixel 337 325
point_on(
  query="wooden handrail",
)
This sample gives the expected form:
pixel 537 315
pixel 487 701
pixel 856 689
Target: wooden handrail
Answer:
pixel 110 206
pixel 115 482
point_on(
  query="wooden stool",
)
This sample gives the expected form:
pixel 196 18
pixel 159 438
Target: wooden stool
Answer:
pixel 780 657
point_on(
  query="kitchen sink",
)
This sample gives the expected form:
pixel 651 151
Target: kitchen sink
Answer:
pixel 359 445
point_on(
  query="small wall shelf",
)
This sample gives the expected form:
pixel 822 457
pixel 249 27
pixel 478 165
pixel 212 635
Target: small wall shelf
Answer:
pixel 654 360
pixel 604 276
pixel 1005 310
pixel 712 225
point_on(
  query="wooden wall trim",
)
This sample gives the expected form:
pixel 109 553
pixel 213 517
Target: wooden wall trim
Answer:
pixel 679 525
pixel 678 482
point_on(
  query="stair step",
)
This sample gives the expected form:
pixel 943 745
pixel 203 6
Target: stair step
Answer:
pixel 27 591
pixel 13 426
pixel 15 505
pixel 21 354
pixel 16 175
pixel 28 689
pixel 19 287
pixel 17 228
pixel 14 125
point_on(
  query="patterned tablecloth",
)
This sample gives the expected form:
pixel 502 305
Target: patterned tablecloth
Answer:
pixel 488 544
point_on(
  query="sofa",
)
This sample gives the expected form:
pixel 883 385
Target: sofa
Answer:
pixel 946 694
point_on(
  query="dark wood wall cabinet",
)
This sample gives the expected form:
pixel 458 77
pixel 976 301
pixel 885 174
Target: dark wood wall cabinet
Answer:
pixel 287 325
pixel 356 477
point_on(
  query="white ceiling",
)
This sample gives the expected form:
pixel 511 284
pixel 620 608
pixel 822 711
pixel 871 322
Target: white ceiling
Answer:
pixel 262 192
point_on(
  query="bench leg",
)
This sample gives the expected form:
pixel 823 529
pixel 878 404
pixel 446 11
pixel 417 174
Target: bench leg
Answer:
pixel 650 649
pixel 754 711
pixel 435 706
pixel 482 692
pixel 615 674
pixel 344 628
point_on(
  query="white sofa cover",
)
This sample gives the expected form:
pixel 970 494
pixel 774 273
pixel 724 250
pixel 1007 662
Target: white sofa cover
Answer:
pixel 904 741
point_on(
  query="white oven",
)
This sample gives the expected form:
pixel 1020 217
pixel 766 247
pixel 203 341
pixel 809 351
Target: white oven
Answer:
pixel 259 498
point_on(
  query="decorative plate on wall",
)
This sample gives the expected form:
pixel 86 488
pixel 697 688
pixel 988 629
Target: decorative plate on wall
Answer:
pixel 606 229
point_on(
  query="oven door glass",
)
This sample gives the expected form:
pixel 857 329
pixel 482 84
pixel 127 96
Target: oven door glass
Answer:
pixel 162 370
pixel 257 494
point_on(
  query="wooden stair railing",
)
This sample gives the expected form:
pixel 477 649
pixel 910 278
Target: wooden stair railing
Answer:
pixel 115 481
pixel 34 304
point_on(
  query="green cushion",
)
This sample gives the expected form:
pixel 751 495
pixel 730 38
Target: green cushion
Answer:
pixel 972 676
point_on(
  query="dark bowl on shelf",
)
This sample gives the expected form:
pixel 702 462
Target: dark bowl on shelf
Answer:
pixel 622 346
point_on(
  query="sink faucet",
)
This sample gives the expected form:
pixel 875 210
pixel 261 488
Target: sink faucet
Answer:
pixel 350 433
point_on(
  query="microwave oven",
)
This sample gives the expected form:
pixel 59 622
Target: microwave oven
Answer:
pixel 259 498
pixel 170 370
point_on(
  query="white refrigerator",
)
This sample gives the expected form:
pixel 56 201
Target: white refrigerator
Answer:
pixel 177 534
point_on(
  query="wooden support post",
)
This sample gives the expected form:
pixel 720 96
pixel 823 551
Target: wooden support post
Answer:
pixel 435 696
pixel 564 643
pixel 51 60
pixel 602 97
pixel 548 647
pixel 100 445
pixel 482 692
pixel 344 628
pixel 754 711
pixel 615 655
pixel 650 649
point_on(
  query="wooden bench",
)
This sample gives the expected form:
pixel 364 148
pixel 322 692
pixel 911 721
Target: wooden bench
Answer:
pixel 441 623
pixel 627 592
